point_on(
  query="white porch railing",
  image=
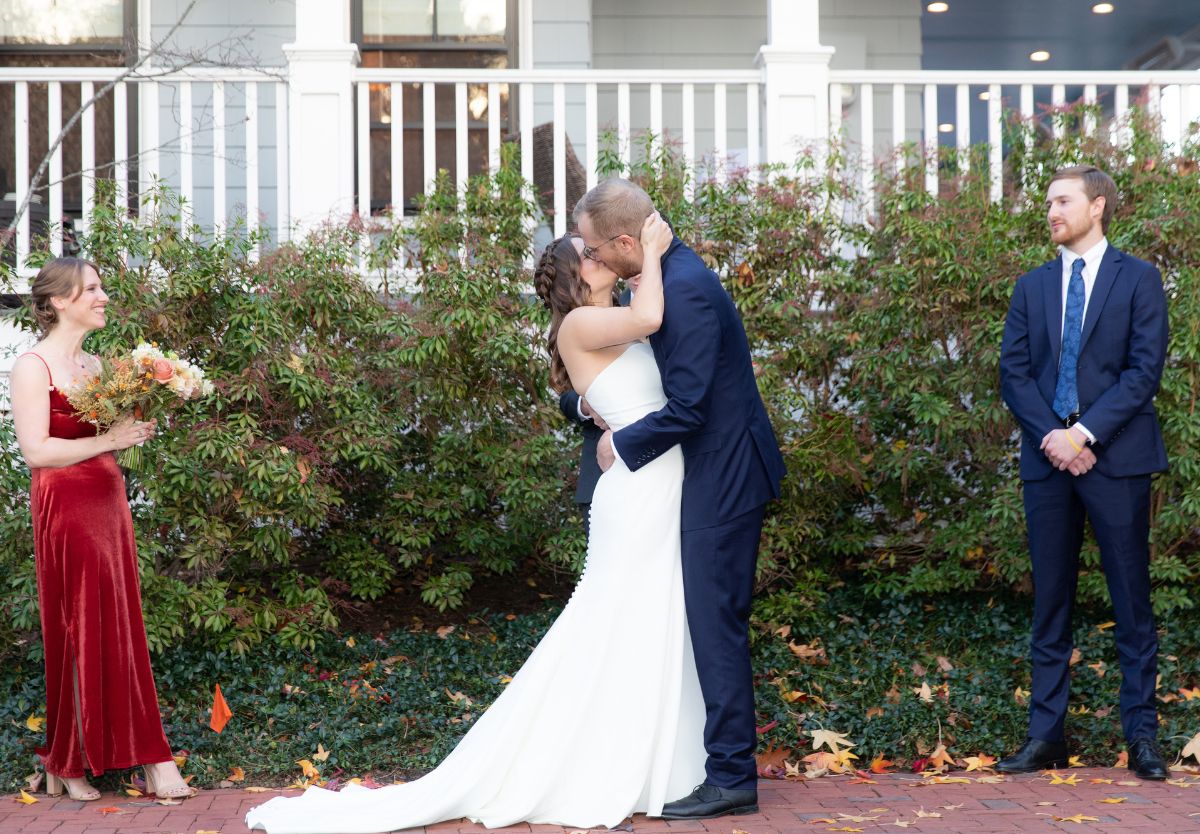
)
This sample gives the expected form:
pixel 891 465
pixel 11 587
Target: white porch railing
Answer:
pixel 703 111
pixel 216 137
pixel 881 109
pixel 222 138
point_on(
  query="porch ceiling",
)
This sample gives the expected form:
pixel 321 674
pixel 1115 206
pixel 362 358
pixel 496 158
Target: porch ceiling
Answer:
pixel 1000 34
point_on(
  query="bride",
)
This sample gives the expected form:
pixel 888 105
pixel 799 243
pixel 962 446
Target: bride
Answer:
pixel 605 719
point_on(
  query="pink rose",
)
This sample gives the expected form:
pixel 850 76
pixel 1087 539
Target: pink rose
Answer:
pixel 163 369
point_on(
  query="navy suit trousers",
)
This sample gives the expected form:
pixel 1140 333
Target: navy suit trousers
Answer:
pixel 1119 510
pixel 718 581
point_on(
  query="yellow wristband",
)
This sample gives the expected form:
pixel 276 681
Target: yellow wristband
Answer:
pixel 1071 440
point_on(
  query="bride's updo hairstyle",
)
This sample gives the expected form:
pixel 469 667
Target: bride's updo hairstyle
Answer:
pixel 560 286
pixel 59 278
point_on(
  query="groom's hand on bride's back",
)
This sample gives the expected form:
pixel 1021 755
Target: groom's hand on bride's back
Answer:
pixel 605 456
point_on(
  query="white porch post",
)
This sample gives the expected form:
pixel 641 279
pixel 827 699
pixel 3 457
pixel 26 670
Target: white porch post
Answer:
pixel 320 137
pixel 795 78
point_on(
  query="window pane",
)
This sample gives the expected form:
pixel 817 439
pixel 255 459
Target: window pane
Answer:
pixel 56 22
pixel 471 19
pixel 388 20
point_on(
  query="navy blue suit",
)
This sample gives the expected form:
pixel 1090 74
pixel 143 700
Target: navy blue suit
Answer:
pixel 732 468
pixel 1122 352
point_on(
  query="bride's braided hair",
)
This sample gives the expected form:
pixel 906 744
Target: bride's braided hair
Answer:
pixel 559 285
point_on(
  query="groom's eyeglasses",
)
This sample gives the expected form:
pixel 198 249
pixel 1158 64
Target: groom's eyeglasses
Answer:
pixel 589 252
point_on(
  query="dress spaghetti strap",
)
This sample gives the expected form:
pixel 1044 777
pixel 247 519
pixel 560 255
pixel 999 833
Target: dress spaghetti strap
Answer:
pixel 44 362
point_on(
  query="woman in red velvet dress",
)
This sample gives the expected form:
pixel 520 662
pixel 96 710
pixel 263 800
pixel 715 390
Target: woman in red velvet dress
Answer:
pixel 101 707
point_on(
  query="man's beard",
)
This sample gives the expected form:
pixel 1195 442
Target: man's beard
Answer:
pixel 1070 234
pixel 626 269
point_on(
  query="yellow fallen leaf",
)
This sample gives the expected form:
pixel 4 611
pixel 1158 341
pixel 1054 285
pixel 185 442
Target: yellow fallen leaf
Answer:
pixel 1105 626
pixel 25 798
pixel 923 814
pixel 1130 783
pixel 1180 783
pixel 309 770
pixel 35 723
pixel 1192 694
pixel 924 692
pixel 168 801
pixel 1192 748
pixel 1077 818
pixel 236 775
pixel 256 789
pixel 734 831
pixel 208 831
pixel 990 780
pixel 132 792
pixel 845 828
pixel 1075 761
pixel 1122 759
pixel 322 754
pixel 828 738
pixel 822 821
pixel 980 762
pixel 951 807
pixel 1057 778
pixel 1113 800
pixel 180 761
pixel 1099 781
pixel 853 818
pixel 350 642
pixel 1044 803
pixel 899 823
pixel 948 780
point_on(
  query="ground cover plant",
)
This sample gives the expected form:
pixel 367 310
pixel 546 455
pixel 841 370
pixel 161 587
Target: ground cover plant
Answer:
pixel 390 705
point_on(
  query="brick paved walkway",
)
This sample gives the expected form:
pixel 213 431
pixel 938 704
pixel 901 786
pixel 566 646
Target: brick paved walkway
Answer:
pixel 891 803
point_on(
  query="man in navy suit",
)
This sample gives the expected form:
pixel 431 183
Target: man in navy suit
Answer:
pixel 732 467
pixel 1084 345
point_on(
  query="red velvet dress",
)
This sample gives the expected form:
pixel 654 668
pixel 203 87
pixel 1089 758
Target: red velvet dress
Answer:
pixel 91 612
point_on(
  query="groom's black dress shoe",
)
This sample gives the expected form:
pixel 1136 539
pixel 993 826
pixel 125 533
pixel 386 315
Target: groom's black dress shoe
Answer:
pixel 709 801
pixel 1034 755
pixel 1145 760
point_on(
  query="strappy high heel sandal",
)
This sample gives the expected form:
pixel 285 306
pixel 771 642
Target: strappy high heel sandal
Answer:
pixel 80 793
pixel 182 790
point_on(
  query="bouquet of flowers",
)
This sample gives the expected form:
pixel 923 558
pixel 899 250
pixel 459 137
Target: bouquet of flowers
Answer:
pixel 141 385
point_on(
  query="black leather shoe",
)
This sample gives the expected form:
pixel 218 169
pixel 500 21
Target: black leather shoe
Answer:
pixel 1034 755
pixel 1145 760
pixel 709 801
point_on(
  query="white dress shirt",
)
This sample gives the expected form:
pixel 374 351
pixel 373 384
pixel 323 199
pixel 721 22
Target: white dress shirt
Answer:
pixel 1091 267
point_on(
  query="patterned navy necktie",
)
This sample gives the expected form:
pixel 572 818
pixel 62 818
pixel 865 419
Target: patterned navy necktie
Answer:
pixel 1066 391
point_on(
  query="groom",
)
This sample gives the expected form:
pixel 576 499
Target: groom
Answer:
pixel 732 468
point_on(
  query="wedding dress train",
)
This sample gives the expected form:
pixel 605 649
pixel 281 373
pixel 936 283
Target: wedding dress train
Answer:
pixel 605 719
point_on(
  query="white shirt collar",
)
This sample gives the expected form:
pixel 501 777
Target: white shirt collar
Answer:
pixel 1091 258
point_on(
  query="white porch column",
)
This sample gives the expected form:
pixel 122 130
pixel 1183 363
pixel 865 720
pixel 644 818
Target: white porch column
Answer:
pixel 795 78
pixel 320 137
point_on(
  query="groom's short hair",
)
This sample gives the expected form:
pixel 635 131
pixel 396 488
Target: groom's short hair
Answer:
pixel 615 207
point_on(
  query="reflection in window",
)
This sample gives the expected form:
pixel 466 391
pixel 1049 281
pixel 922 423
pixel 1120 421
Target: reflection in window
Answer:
pixel 467 21
pixel 61 22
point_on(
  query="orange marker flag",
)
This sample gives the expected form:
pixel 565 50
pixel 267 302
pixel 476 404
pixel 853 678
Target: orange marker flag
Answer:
pixel 220 711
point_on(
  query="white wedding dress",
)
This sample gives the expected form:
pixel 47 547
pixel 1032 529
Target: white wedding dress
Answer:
pixel 605 719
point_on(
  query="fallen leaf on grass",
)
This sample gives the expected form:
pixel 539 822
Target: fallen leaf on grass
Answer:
pixel 924 692
pixel 25 798
pixel 309 769
pixel 322 754
pixel 1075 761
pixel 1076 656
pixel 881 765
pixel 771 761
pixel 236 775
pixel 445 631
pixel 35 723
pixel 1192 694
pixel 828 738
pixel 1192 748
pixel 812 654
pixel 1105 626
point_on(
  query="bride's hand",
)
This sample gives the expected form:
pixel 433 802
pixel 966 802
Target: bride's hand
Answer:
pixel 656 235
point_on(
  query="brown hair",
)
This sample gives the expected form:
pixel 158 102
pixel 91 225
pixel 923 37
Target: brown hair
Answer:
pixel 615 207
pixel 1096 183
pixel 59 278
pixel 558 282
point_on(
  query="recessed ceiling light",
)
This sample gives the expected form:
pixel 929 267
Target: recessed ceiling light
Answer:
pixel 1103 8
pixel 937 8
pixel 1039 56
pixel 945 127
pixel 985 95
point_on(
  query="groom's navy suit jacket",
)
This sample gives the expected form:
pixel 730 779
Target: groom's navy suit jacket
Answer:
pixel 1121 356
pixel 732 462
